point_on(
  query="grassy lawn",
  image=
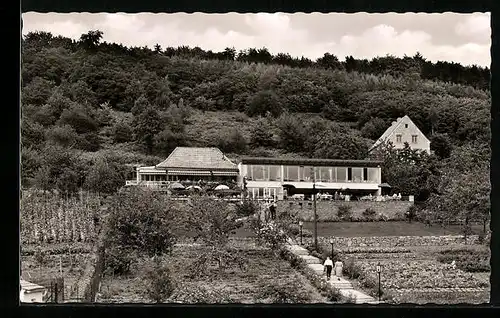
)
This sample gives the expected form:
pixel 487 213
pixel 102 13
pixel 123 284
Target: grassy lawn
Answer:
pixel 262 269
pixel 367 229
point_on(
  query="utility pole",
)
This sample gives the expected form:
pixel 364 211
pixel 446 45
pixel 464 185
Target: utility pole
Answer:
pixel 314 206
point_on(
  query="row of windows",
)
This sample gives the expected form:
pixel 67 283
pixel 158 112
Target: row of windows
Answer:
pixel 414 138
pixel 162 177
pixel 305 173
pixel 263 193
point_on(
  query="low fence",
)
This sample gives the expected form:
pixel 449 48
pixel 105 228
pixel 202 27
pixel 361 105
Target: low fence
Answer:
pixel 87 287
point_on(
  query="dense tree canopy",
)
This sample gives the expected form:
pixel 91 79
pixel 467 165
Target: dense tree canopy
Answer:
pixel 90 96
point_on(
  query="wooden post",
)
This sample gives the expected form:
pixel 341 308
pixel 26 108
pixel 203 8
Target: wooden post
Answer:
pixel 60 265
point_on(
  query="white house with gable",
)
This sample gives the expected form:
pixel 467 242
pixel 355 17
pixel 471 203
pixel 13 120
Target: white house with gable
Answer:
pixel 402 131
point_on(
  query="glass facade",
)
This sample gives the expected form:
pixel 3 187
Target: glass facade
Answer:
pixel 305 173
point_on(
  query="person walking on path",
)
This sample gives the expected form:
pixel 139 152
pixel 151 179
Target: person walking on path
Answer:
pixel 328 265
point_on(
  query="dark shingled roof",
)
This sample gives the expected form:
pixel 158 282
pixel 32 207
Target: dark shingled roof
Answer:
pixel 311 162
pixel 202 158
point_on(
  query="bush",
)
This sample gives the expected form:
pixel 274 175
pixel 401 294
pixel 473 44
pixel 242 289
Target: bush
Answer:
pixel 369 282
pixel 246 208
pixel 231 140
pixel 345 212
pixel 118 261
pixel 159 284
pixel 139 221
pixel 369 212
pixel 272 235
pixel 294 230
pixel 351 269
pixel 191 293
pixel 41 256
pixel 289 292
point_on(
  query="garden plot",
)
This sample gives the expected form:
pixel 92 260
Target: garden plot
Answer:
pixel 416 274
pixel 262 275
pixel 424 274
pixel 43 267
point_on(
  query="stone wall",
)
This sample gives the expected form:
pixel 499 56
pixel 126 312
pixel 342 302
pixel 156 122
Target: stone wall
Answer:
pixel 327 210
pixel 398 241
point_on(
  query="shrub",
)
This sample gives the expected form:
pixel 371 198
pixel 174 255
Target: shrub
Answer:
pixel 118 261
pixel 41 256
pixel 369 212
pixel 294 230
pixel 351 269
pixel 369 282
pixel 247 208
pixel 289 292
pixel 272 235
pixel 345 212
pixel 159 284
pixel 139 221
pixel 191 293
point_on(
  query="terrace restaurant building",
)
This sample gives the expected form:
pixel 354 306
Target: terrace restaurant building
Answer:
pixel 279 178
pixel 188 165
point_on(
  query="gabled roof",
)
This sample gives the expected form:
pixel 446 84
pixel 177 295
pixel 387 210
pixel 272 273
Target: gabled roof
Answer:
pixel 392 128
pixel 206 158
pixel 30 287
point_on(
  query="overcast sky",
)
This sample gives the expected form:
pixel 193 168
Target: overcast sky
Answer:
pixel 463 38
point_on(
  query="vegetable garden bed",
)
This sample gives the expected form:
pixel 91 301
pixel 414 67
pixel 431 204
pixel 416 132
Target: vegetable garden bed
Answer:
pixel 262 271
pixel 418 274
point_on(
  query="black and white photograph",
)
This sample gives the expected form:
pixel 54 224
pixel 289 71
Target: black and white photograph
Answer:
pixel 255 158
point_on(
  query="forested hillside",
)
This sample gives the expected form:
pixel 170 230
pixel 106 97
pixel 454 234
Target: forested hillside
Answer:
pixel 89 107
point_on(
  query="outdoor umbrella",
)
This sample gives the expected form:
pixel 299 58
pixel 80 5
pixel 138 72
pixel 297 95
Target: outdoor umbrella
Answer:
pixel 176 186
pixel 385 185
pixel 193 188
pixel 221 187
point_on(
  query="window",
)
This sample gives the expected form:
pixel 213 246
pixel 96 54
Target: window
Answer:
pixel 365 174
pixel 259 172
pixel 406 125
pixel 274 173
pixel 307 173
pixel 357 174
pixel 323 174
pixel 398 138
pixel 372 174
pixel 292 173
pixel 414 139
pixel 341 174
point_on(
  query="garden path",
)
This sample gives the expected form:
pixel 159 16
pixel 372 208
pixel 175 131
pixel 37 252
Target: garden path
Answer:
pixel 344 286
